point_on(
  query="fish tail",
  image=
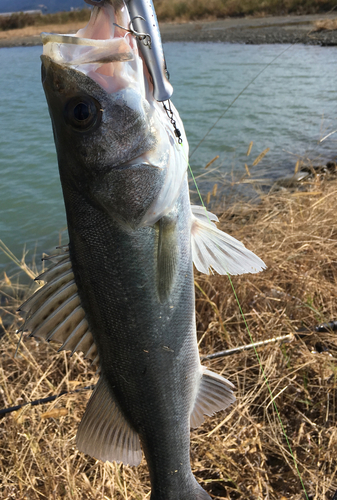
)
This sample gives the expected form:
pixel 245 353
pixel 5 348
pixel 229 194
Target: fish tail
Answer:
pixel 195 492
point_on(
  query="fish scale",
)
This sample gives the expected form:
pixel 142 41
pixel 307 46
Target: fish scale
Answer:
pixel 145 348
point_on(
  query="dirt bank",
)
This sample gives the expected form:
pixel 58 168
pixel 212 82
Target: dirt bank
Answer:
pixel 280 29
pixel 285 29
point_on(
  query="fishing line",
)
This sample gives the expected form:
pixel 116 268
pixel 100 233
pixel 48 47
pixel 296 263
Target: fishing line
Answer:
pixel 237 97
pixel 254 347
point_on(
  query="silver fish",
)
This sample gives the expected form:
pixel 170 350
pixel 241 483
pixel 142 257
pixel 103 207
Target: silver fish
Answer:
pixel 122 292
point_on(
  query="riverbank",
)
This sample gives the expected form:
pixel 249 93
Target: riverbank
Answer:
pixel 240 453
pixel 249 30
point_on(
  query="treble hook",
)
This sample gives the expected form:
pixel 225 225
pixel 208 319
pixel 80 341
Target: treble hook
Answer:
pixel 142 37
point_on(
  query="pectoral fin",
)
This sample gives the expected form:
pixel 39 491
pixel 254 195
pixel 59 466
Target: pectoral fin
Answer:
pixel 54 312
pixel 104 432
pixel 215 394
pixel 212 248
pixel 167 258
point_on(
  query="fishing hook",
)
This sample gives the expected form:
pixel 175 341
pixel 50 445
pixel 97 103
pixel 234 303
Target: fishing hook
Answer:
pixel 142 37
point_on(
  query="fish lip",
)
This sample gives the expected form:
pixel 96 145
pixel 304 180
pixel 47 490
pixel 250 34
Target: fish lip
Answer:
pixel 48 62
pixel 97 49
pixel 49 66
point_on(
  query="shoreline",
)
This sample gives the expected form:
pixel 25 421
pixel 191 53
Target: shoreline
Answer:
pixel 295 235
pixel 246 30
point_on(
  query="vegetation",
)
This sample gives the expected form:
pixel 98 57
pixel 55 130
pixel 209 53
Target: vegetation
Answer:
pixel 170 10
pixel 183 10
pixel 326 25
pixel 21 20
pixel 241 453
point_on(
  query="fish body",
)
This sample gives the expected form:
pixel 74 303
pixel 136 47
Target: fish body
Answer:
pixel 146 340
pixel 135 285
pixel 123 291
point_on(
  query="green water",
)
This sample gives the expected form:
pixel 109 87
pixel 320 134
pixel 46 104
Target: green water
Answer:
pixel 288 109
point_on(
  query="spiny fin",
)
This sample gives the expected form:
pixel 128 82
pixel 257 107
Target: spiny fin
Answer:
pixel 104 432
pixel 215 394
pixel 54 312
pixel 40 297
pixel 212 248
pixel 167 256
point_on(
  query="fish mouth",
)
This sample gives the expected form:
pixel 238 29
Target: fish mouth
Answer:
pixel 103 50
pixel 106 51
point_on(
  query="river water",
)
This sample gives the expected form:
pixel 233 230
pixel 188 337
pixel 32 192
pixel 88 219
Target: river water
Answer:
pixel 288 108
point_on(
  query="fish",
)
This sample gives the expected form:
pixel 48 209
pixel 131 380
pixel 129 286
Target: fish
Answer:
pixel 122 290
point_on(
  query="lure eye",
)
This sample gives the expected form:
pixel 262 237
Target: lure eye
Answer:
pixel 83 113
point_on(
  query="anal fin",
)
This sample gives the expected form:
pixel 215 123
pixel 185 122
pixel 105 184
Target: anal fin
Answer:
pixel 215 394
pixel 104 433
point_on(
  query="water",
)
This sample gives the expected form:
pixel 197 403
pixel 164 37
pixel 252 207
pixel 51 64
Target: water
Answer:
pixel 288 108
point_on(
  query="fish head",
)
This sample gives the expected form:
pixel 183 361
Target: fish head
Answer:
pixel 98 135
pixel 115 142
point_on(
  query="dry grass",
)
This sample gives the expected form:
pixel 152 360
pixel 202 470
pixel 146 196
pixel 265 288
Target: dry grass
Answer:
pixel 240 453
pixel 326 25
pixel 172 10
pixel 182 10
pixel 20 20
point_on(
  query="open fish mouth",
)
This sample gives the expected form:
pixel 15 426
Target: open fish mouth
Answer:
pixel 111 53
pixel 101 49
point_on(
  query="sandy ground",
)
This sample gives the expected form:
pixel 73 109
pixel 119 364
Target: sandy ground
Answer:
pixel 281 29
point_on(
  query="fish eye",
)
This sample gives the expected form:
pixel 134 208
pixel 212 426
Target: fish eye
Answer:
pixel 83 113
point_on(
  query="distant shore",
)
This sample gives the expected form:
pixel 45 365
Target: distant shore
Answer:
pixel 247 30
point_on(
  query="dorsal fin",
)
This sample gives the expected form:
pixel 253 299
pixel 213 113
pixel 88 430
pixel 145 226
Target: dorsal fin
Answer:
pixel 212 248
pixel 104 432
pixel 54 312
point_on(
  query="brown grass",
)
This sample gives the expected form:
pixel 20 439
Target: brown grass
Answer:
pixel 238 454
pixel 171 10
pixel 20 20
pixel 326 25
pixel 182 10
